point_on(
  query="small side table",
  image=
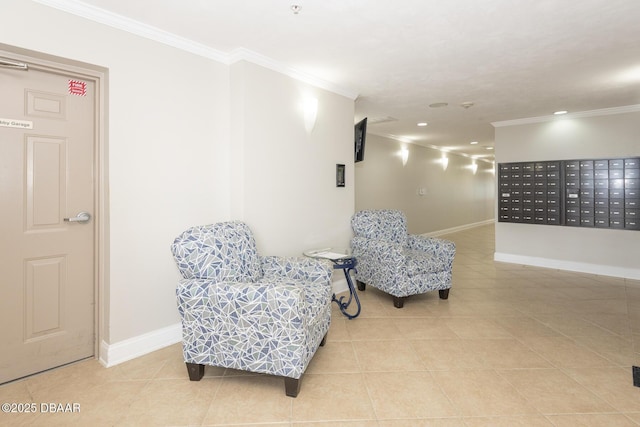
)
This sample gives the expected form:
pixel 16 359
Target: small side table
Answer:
pixel 342 260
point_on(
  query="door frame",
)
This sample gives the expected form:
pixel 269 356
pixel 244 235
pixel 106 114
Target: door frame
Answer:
pixel 99 75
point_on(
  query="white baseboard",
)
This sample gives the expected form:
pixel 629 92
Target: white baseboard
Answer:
pixel 114 354
pixel 459 228
pixel 580 267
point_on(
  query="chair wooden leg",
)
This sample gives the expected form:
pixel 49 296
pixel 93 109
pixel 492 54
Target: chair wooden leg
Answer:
pixel 292 386
pixel 398 302
pixel 196 371
pixel 361 286
pixel 324 340
pixel 444 293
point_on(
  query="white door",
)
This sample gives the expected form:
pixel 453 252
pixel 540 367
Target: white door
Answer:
pixel 47 141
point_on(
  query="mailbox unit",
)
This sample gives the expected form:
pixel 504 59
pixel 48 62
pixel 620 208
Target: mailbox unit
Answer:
pixel 601 193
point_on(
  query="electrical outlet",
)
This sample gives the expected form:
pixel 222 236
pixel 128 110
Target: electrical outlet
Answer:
pixel 636 375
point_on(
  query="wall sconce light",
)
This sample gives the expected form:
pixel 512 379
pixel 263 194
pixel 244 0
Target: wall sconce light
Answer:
pixel 310 107
pixel 404 153
pixel 444 161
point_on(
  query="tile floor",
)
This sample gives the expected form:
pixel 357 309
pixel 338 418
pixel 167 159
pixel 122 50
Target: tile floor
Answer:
pixel 512 346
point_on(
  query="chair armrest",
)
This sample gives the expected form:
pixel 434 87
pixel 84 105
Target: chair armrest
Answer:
pixel 440 248
pixel 303 269
pixel 202 298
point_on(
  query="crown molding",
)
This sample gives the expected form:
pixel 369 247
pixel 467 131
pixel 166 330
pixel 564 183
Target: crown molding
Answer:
pixel 138 28
pixel 242 54
pixel 576 115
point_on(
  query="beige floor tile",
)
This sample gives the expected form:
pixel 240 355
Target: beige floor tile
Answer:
pixel 613 385
pixel 250 399
pixel 385 356
pixel 592 420
pixel 250 425
pixel 617 323
pixel 491 308
pixel 424 328
pixel 618 350
pixel 564 352
pixel 69 379
pixel 407 395
pixel 635 416
pixel 334 357
pixel 367 423
pixel 521 326
pixel 477 328
pixel 373 302
pixel 105 404
pixel 446 354
pixel 604 306
pixel 551 391
pixel 338 329
pixel 572 325
pixel 373 329
pixel 172 402
pixel 482 393
pixel 415 306
pixel 523 421
pixel 453 307
pixel 424 422
pixel 596 290
pixel 332 397
pixel 147 366
pixel 542 305
pixel 16 391
pixel 506 353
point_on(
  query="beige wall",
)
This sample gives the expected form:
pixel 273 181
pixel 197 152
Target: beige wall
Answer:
pixel 584 136
pixel 173 162
pixel 453 198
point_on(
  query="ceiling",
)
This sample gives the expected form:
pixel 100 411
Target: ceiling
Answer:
pixel 511 59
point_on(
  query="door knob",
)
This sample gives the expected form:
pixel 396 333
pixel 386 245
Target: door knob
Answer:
pixel 81 217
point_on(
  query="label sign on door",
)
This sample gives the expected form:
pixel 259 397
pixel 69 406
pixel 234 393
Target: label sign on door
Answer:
pixel 77 87
pixel 13 123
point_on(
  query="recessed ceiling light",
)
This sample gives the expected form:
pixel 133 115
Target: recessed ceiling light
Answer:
pixel 473 142
pixel 438 104
pixel 558 113
pixel 489 148
pixel 422 124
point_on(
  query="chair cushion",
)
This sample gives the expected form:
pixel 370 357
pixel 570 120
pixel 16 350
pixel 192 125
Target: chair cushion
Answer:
pixel 418 262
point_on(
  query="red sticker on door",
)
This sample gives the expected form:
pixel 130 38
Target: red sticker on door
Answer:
pixel 77 87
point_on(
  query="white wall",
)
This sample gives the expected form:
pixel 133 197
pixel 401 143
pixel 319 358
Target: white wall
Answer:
pixel 171 138
pixel 287 186
pixel 590 135
pixel 453 198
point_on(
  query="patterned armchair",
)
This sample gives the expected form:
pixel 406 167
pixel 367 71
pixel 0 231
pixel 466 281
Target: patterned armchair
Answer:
pixel 398 263
pixel 243 311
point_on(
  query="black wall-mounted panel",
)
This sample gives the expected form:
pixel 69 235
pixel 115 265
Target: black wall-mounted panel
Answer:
pixel 597 193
